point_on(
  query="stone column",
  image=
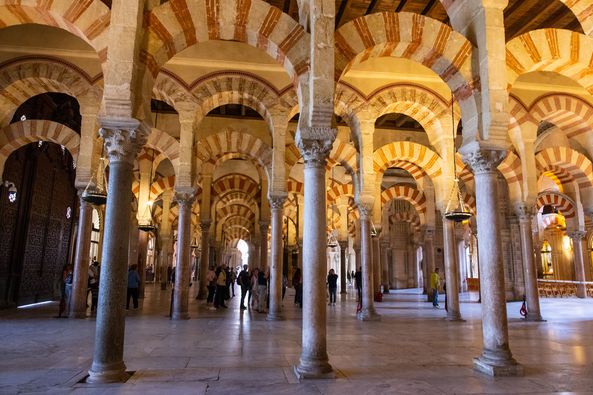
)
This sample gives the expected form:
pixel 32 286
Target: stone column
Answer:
pixel 204 258
pixel 263 254
pixel 81 261
pixel 343 268
pixel 314 361
pixel 385 265
pixel 525 213
pixel 367 312
pixel 142 257
pixel 451 271
pixel 579 267
pixel 376 265
pixel 182 269
pixel 165 235
pixel 122 143
pixel 496 358
pixel 275 311
pixel 428 264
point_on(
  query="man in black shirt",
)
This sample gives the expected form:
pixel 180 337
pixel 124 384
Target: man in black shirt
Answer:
pixel 332 284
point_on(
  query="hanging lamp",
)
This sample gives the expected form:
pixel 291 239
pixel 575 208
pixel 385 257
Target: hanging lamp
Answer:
pixel 95 192
pixel 456 212
pixel 146 224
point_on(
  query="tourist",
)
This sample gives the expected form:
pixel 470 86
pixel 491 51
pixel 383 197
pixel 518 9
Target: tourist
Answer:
pixel 210 284
pixel 348 277
pixel 358 284
pixel 297 283
pixel 435 282
pixel 133 284
pixel 221 288
pixel 233 279
pixel 253 301
pixel 66 290
pixel 332 285
pixel 262 290
pixel 94 283
pixel 244 281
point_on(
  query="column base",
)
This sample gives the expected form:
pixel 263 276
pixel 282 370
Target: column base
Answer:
pixel 368 315
pixel 314 371
pixel 78 314
pixel 534 318
pixel 108 373
pixel 454 316
pixel 275 316
pixel 497 366
pixel 180 316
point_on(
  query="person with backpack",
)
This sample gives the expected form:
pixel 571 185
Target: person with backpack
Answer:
pixel 244 281
pixel 210 284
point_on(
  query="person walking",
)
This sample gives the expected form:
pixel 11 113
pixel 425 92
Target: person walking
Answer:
pixel 253 301
pixel 221 288
pixel 435 282
pixel 244 281
pixel 133 284
pixel 94 283
pixel 233 279
pixel 66 290
pixel 210 284
pixel 262 290
pixel 358 284
pixel 332 285
pixel 297 283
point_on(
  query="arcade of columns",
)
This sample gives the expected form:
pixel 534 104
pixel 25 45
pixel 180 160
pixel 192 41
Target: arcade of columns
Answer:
pixel 502 152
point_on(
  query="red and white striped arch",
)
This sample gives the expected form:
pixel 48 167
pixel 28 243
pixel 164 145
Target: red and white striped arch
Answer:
pixel 339 190
pixel 410 217
pixel 164 143
pixel 577 165
pixel 561 51
pixel 412 195
pixel 511 170
pixel 294 186
pixel 344 154
pixel 234 182
pixel 405 151
pixel 571 114
pixel 179 24
pixel 86 19
pixel 561 202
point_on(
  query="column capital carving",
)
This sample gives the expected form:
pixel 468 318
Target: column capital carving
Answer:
pixel 316 150
pixel 428 234
pixel 185 198
pixel 524 211
pixel 277 202
pixel 577 235
pixel 123 139
pixel 343 244
pixel 385 243
pixel 483 160
pixel 205 225
pixel 264 224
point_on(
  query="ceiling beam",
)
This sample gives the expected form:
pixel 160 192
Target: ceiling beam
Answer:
pixel 371 7
pixel 428 7
pixel 401 5
pixel 344 8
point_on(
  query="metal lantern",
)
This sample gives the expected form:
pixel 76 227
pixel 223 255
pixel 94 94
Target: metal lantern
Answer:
pixel 95 192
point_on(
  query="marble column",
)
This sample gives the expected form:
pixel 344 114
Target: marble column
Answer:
pixel 367 312
pixel 525 213
pixel 183 267
pixel 204 258
pixel 142 257
pixel 343 268
pixel 275 311
pixel 376 265
pixel 385 265
pixel 496 358
pixel 81 261
pixel 122 143
pixel 579 266
pixel 451 271
pixel 428 264
pixel 314 361
pixel 263 254
pixel 165 235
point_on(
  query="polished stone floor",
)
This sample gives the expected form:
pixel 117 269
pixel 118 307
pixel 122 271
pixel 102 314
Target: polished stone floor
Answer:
pixel 411 350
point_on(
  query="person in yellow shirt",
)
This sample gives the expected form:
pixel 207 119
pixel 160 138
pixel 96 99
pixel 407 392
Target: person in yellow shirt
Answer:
pixel 435 282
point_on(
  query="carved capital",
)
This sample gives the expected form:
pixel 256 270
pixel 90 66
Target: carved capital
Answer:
pixel 524 211
pixel 277 202
pixel 343 244
pixel 123 139
pixel 185 199
pixel 205 225
pixel 365 211
pixel 483 161
pixel 315 150
pixel 263 225
pixel 577 235
pixel 428 234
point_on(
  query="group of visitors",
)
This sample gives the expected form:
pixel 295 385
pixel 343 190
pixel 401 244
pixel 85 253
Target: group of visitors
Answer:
pixel 66 279
pixel 254 285
pixel 221 285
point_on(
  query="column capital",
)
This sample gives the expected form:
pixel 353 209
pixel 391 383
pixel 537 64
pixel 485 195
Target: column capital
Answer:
pixel 524 211
pixel 428 234
pixel 123 139
pixel 577 235
pixel 277 202
pixel 482 160
pixel 264 224
pixel 316 150
pixel 205 225
pixel 343 244
pixel 385 243
pixel 185 198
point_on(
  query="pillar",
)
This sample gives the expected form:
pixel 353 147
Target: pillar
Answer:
pixel 579 267
pixel 314 361
pixel 204 258
pixel 385 265
pixel 343 268
pixel 183 267
pixel 451 271
pixel 525 213
pixel 496 358
pixel 428 264
pixel 275 311
pixel 263 253
pixel 81 261
pixel 165 235
pixel 142 258
pixel 122 143
pixel 376 265
pixel 367 312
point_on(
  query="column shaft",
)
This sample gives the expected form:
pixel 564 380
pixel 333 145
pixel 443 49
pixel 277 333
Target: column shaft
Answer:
pixel 343 268
pixel 428 264
pixel 451 271
pixel 263 255
pixel 376 265
pixel 385 266
pixel 367 312
pixel 204 259
pixel 275 311
pixel 81 262
pixel 182 270
pixel 579 266
pixel 165 243
pixel 529 270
